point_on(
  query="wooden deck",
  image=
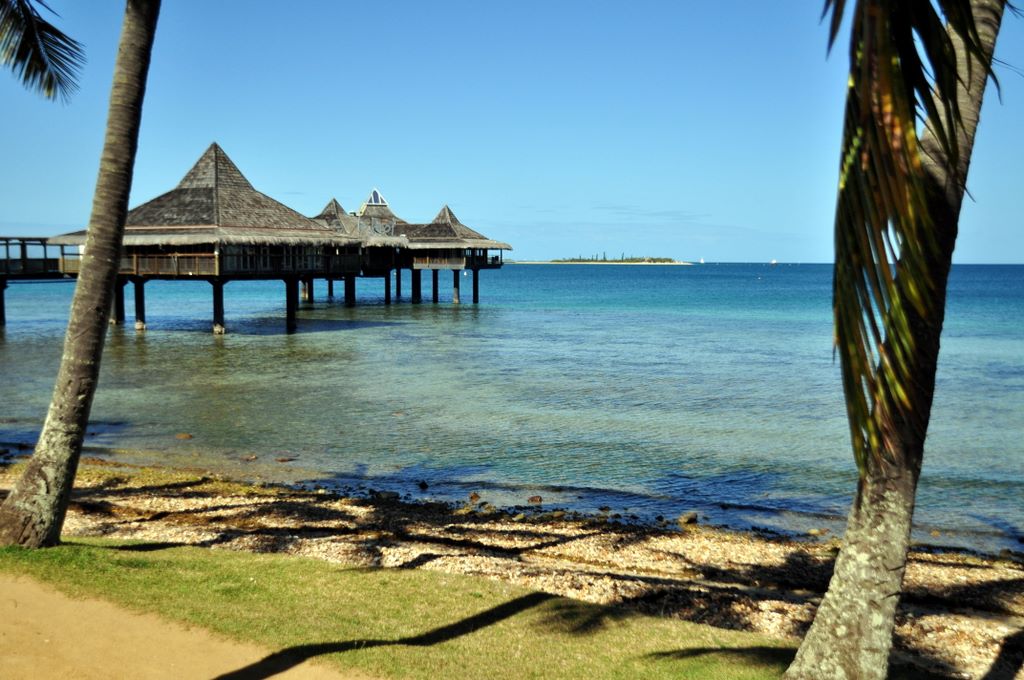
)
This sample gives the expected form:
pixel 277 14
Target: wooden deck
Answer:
pixel 32 258
pixel 29 257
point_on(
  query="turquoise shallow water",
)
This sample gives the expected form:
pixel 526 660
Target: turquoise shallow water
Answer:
pixel 650 390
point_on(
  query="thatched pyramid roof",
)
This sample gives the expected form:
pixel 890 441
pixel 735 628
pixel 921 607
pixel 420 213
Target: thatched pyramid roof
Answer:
pixel 215 203
pixel 375 207
pixel 446 231
pixel 333 215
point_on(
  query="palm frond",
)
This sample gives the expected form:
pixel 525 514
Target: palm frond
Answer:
pixel 903 71
pixel 41 56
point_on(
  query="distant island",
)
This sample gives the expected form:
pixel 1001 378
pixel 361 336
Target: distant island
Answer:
pixel 604 260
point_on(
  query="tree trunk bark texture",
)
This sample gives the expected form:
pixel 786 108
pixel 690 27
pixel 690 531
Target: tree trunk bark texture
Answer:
pixel 851 636
pixel 852 631
pixel 33 513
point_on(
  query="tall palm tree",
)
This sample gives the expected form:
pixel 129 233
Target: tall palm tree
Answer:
pixel 37 51
pixel 896 224
pixel 33 513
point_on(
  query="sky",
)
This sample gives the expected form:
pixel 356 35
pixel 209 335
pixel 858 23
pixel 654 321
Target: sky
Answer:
pixel 675 129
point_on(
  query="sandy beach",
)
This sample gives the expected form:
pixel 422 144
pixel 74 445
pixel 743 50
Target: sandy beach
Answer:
pixel 961 615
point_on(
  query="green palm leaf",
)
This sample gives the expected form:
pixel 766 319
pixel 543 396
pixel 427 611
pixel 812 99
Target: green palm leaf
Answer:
pixel 903 72
pixel 41 56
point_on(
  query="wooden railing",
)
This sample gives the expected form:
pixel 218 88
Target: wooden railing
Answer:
pixel 434 262
pixel 209 264
pixel 32 265
pixel 321 265
pixel 483 261
pixel 185 264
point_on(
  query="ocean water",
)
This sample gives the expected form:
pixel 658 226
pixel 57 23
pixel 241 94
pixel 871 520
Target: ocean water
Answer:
pixel 644 389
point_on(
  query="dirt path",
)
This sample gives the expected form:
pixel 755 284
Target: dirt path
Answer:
pixel 46 634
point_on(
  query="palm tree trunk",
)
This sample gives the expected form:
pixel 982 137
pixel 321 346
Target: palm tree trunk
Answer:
pixel 33 513
pixel 851 636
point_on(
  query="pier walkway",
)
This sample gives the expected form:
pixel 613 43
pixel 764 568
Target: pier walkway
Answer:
pixel 27 258
pixel 35 259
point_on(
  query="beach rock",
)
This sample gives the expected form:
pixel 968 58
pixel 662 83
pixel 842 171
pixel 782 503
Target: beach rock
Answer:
pixel 423 485
pixel 474 497
pixel 183 435
pixel 558 514
pixel 534 500
pixel 250 458
pixel 687 518
pixel 285 459
pixel 387 495
pixel 817 532
pixel 604 508
pixel 520 517
pixel 464 510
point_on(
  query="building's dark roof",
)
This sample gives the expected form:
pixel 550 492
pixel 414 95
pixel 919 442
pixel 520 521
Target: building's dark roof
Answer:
pixel 376 208
pixel 333 215
pixel 446 231
pixel 215 203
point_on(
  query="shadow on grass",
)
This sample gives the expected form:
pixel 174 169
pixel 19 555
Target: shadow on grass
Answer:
pixel 712 592
pixel 281 661
pixel 144 547
pixel 781 657
pixel 767 656
pixel 584 618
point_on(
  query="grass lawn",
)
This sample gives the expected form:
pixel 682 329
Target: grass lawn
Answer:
pixel 395 623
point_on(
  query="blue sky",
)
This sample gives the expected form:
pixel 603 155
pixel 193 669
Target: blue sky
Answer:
pixel 677 129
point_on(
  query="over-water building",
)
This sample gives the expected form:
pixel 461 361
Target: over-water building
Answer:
pixel 216 227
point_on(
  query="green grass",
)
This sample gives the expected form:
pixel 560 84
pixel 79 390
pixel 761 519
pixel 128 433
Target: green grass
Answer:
pixel 395 623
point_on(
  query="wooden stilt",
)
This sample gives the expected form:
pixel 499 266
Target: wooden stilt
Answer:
pixel 218 307
pixel 140 304
pixel 387 288
pixel 117 315
pixel 291 297
pixel 417 286
pixel 433 276
pixel 455 286
pixel 3 309
pixel 476 286
pixel 350 290
pixel 398 283
pixel 330 289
